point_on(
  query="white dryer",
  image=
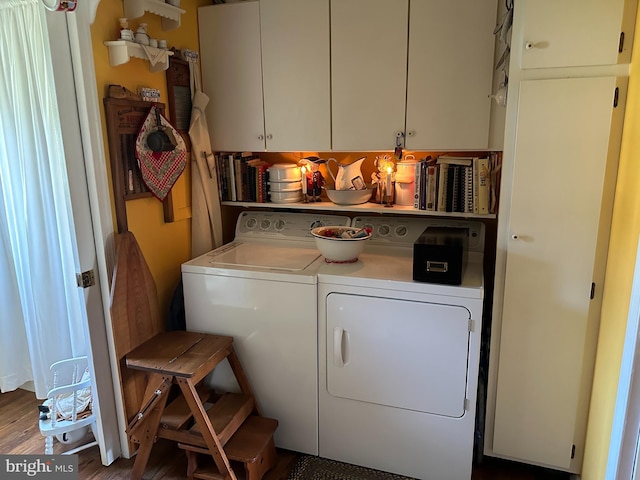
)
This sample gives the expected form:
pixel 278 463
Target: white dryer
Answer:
pixel 262 290
pixel 398 359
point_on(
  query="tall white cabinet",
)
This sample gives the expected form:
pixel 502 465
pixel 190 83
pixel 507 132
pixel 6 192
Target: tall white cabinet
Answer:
pixel 562 142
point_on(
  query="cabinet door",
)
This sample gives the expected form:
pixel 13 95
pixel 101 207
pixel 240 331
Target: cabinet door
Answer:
pixel 368 72
pixel 232 75
pixel 296 81
pixel 563 130
pixel 450 73
pixel 553 37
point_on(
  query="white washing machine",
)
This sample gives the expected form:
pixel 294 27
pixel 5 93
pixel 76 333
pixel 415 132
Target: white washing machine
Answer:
pixel 398 359
pixel 262 290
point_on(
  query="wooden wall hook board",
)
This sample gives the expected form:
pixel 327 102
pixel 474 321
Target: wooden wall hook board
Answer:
pixel 124 119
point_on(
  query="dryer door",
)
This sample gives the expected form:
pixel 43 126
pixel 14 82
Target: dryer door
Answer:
pixel 398 353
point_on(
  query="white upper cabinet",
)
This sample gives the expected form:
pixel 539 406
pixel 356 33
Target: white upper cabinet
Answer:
pixel 422 68
pixel 450 72
pixel 232 75
pixel 295 74
pixel 265 66
pixel 368 72
pixel 553 37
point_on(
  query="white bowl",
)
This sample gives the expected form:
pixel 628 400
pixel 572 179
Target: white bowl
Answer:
pixel 284 172
pixel 339 250
pixel 349 197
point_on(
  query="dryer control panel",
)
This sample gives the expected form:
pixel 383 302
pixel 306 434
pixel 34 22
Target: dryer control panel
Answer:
pixel 403 232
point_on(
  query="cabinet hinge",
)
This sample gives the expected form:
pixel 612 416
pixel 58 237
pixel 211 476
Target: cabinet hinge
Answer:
pixel 573 451
pixel 593 291
pixel 466 404
pixel 621 43
pixel 470 325
pixel 86 279
pixel 616 94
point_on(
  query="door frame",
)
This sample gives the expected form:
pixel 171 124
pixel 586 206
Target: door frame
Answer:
pixel 624 444
pixel 78 32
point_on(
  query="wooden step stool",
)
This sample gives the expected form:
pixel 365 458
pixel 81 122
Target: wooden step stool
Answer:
pixel 232 429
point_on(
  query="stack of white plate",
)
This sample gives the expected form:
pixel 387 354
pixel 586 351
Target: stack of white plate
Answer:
pixel 284 183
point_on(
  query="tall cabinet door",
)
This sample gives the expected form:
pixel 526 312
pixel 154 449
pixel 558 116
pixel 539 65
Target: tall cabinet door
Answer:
pixel 450 73
pixel 368 72
pixel 232 75
pixel 296 78
pixel 552 38
pixel 546 355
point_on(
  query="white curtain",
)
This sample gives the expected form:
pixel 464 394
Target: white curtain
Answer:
pixel 41 316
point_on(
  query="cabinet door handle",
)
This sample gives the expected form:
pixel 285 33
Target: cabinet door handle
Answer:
pixel 411 133
pixel 260 137
pixel 529 45
pixel 338 333
pixel 269 137
pixel 515 236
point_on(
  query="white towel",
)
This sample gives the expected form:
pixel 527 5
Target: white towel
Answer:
pixel 158 58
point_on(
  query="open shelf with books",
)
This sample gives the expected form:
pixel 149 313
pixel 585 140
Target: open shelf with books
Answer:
pixel 445 186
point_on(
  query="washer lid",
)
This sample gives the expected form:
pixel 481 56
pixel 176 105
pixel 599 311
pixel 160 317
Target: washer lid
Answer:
pixel 273 257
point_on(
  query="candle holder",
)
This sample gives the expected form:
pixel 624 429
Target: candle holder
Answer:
pixel 303 183
pixel 386 179
pixel 389 196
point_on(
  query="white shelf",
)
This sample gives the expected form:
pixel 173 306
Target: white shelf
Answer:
pixel 121 51
pixel 368 207
pixel 169 13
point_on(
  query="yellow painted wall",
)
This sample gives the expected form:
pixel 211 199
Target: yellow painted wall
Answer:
pixel 165 245
pixel 617 289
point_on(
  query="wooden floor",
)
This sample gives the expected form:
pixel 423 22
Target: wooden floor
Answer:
pixel 19 434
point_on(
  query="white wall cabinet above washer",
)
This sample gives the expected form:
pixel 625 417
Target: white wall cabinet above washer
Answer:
pixel 265 66
pixel 551 36
pixel 368 72
pixel 443 103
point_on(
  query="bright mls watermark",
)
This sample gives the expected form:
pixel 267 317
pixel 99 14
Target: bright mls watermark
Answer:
pixel 50 467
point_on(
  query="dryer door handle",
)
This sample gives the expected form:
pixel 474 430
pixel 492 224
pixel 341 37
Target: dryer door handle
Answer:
pixel 338 335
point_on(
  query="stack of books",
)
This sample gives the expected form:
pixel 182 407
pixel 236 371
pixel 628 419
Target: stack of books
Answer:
pixel 453 184
pixel 242 177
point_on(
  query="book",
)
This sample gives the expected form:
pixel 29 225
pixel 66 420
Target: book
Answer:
pixel 231 175
pixel 417 183
pixel 495 167
pixel 482 177
pixel 467 199
pixel 423 185
pixel 449 193
pixel 222 180
pixel 237 168
pixel 432 187
pixel 466 161
pixel 443 170
pixel 454 172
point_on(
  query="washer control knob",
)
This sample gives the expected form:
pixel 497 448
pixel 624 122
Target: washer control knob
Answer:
pixel 265 224
pixel 252 223
pixel 280 224
pixel 401 231
pixel 384 230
